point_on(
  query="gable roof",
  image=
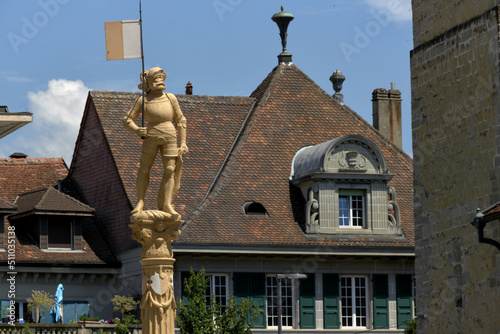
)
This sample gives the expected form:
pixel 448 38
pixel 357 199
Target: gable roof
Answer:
pixel 291 112
pixel 49 200
pixel 213 124
pixel 241 151
pixel 21 175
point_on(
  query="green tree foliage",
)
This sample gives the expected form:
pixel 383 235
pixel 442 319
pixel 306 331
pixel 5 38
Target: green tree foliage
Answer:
pixel 124 304
pixel 41 301
pixel 195 317
pixel 234 318
pixel 411 327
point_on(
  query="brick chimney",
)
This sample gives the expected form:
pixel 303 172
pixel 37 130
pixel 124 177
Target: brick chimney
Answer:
pixel 387 114
pixel 189 88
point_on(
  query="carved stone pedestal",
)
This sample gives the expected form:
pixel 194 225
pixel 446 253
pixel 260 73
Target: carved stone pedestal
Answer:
pixel 155 230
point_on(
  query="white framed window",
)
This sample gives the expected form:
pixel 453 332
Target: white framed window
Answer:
pixel 353 297
pixel 352 208
pixel 272 302
pixel 217 287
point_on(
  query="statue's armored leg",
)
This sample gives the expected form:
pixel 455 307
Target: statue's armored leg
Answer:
pixel 167 186
pixel 142 181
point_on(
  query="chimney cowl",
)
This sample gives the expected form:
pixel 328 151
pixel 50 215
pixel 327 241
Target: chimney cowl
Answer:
pixel 380 93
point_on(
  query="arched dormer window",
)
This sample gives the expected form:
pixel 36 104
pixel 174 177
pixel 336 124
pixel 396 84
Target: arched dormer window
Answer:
pixel 345 184
pixel 254 209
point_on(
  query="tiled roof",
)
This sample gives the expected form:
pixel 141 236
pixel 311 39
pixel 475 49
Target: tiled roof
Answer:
pixel 29 253
pixel 28 176
pixel 292 112
pixel 212 124
pixel 285 113
pixel 6 206
pixel 49 200
pixel 21 175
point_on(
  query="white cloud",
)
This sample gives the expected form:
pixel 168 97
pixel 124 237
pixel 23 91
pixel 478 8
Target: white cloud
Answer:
pixel 400 10
pixel 57 113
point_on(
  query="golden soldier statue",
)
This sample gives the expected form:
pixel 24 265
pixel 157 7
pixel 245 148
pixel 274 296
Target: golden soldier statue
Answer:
pixel 160 110
pixel 156 229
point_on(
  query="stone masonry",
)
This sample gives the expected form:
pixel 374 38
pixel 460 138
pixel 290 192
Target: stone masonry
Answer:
pixel 456 148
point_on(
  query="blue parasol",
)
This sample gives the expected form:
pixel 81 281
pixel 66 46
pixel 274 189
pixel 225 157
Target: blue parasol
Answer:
pixel 56 310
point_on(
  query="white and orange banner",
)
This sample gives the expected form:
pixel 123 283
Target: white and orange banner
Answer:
pixel 123 39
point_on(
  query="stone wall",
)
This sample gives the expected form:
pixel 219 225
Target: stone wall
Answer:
pixel 433 18
pixel 456 148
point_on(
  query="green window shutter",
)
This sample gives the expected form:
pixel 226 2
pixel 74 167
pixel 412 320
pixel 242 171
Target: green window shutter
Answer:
pixel 380 301
pixel 331 310
pixel 252 286
pixel 404 298
pixel 307 303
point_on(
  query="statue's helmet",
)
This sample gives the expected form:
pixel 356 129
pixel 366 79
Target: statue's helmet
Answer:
pixel 149 76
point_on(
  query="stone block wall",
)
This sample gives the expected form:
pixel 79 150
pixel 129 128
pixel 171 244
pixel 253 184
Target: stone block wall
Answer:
pixel 456 148
pixel 433 18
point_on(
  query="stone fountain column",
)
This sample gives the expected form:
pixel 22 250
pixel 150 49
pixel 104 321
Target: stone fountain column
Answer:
pixel 155 230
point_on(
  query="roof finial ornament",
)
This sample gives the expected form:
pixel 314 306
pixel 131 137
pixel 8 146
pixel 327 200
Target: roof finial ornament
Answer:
pixel 282 19
pixel 337 79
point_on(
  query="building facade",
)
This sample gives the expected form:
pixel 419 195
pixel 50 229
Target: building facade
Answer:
pixel 287 180
pixel 49 238
pixel 455 117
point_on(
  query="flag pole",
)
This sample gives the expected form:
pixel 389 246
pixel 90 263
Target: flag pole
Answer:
pixel 142 58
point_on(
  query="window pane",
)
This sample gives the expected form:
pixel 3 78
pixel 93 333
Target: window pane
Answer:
pixel 357 210
pixel 343 210
pixel 217 287
pixel 59 233
pixel 351 209
pixel 353 298
pixel 272 302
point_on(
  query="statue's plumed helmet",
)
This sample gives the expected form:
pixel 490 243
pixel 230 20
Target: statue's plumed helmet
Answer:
pixel 149 76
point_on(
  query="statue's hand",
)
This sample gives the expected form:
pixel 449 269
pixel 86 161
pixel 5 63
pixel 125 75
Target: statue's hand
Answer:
pixel 183 149
pixel 141 132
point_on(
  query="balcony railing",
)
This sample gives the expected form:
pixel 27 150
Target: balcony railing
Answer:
pixel 83 328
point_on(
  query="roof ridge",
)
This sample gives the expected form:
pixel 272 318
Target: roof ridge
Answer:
pixel 60 193
pixel 34 191
pixel 55 159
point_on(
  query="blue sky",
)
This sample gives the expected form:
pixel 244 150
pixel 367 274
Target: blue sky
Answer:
pixel 53 53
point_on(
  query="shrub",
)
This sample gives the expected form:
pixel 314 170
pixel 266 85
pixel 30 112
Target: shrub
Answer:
pixel 195 317
pixel 234 319
pixel 124 304
pixel 42 301
pixel 411 327
pixel 121 328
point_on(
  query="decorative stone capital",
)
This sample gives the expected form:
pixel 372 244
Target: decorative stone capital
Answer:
pixel 155 230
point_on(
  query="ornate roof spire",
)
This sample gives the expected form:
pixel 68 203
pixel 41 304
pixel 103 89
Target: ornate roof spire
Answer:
pixel 282 19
